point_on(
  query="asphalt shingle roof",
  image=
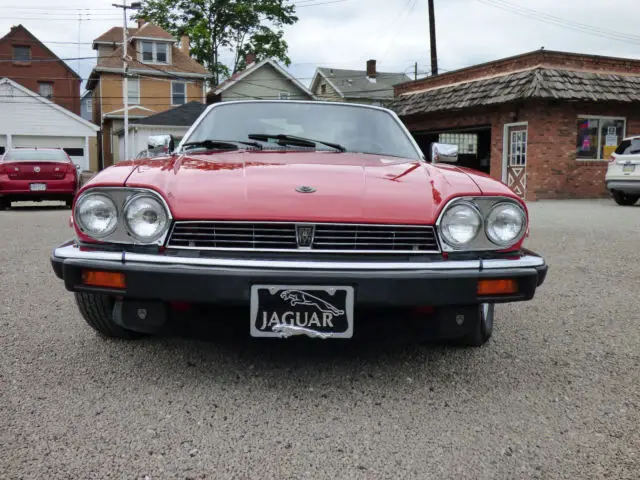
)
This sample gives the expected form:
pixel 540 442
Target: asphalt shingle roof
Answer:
pixel 355 84
pixel 529 84
pixel 182 116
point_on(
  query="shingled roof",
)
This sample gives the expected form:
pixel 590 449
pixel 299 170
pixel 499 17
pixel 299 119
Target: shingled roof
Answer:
pixel 534 83
pixel 356 84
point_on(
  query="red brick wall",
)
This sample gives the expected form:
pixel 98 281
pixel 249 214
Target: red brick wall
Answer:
pixel 552 168
pixel 522 62
pixel 66 86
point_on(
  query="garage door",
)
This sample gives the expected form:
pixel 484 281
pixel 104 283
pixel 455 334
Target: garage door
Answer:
pixel 3 143
pixel 74 146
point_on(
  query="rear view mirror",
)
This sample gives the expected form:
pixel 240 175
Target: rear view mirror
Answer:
pixel 444 152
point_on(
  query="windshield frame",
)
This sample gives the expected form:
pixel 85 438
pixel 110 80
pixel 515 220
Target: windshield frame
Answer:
pixel 419 154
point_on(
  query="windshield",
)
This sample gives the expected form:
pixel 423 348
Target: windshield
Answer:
pixel 32 154
pixel 357 129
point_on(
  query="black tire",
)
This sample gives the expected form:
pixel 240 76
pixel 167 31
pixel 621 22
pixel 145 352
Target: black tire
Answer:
pixel 69 203
pixel 97 310
pixel 483 329
pixel 4 204
pixel 624 199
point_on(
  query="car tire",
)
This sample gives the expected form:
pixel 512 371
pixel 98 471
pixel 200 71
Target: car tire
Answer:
pixel 97 310
pixel 624 199
pixel 482 330
pixel 69 203
pixel 4 204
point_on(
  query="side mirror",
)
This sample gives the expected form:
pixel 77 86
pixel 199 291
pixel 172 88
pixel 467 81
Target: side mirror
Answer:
pixel 172 144
pixel 444 152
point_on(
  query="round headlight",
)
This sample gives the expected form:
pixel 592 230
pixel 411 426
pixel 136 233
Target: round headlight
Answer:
pixel 96 214
pixel 146 218
pixel 460 224
pixel 505 224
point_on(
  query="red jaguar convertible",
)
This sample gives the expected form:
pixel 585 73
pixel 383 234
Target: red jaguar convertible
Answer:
pixel 309 218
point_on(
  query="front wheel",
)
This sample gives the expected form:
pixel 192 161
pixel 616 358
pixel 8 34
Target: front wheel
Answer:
pixel 97 310
pixel 624 199
pixel 4 204
pixel 483 328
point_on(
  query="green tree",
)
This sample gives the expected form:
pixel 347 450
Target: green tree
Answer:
pixel 239 26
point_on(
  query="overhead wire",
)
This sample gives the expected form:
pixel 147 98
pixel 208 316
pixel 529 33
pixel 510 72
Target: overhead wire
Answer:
pixel 562 22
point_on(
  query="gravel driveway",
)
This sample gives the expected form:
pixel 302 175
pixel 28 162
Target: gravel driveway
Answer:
pixel 555 394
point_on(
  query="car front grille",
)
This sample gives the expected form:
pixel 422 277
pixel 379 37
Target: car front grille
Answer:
pixel 327 237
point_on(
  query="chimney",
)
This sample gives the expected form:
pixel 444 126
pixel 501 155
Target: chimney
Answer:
pixel 184 44
pixel 371 69
pixel 250 58
pixel 141 22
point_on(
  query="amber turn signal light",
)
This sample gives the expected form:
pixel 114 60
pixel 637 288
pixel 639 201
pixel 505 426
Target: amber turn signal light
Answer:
pixel 97 278
pixel 497 287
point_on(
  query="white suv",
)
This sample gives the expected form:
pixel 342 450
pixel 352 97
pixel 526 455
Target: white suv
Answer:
pixel 623 174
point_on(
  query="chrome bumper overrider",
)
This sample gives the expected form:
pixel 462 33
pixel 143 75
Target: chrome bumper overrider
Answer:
pixel 72 252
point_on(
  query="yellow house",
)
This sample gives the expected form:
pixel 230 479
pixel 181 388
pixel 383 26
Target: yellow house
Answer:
pixel 161 75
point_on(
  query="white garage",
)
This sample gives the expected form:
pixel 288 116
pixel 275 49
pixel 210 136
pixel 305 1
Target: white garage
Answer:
pixel 29 120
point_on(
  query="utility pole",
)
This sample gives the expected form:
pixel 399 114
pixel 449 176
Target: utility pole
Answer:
pixel 125 66
pixel 415 71
pixel 432 34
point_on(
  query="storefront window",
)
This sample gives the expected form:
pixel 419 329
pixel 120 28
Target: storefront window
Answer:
pixel 598 137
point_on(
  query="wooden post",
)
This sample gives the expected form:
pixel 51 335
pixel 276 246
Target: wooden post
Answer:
pixel 432 35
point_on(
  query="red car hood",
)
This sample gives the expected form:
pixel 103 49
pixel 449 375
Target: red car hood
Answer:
pixel 262 186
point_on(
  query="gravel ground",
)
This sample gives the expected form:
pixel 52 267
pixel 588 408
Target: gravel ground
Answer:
pixel 555 394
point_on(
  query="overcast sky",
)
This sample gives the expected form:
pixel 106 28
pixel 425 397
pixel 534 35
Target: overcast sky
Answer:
pixel 345 33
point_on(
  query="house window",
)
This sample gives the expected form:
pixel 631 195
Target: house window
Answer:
pixel 155 52
pixel 147 51
pixel 323 89
pixel 89 104
pixel 284 96
pixel 46 89
pixel 161 52
pixel 21 54
pixel 598 137
pixel 467 142
pixel 133 91
pixel 178 93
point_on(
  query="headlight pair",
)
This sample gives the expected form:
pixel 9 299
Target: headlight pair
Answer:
pixel 122 216
pixel 482 224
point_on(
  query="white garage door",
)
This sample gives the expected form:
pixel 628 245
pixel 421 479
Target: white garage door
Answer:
pixel 74 146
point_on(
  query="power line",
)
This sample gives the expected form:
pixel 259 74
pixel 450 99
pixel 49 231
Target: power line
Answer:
pixel 562 22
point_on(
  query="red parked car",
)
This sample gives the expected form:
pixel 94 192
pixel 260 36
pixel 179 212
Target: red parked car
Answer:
pixel 36 174
pixel 310 218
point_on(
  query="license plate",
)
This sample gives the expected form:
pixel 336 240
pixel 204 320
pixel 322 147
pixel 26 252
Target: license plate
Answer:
pixel 38 187
pixel 628 168
pixel 288 310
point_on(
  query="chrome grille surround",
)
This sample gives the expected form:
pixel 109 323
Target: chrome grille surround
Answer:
pixel 285 237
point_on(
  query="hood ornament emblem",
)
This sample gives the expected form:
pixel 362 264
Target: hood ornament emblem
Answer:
pixel 305 189
pixel 36 169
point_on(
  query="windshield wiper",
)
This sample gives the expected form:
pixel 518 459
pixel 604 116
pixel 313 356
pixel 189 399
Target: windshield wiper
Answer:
pixel 221 144
pixel 293 140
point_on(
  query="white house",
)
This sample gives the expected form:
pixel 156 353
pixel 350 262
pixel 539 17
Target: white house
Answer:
pixel 176 122
pixel 30 120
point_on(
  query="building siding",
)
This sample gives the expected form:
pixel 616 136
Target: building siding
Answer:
pixel 331 94
pixel 264 83
pixel 155 93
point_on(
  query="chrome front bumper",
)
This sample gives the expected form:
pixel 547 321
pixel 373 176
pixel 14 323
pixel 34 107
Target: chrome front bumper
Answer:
pixel 228 281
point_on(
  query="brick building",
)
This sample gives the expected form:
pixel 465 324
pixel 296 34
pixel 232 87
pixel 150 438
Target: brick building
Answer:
pixel 543 122
pixel 27 61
